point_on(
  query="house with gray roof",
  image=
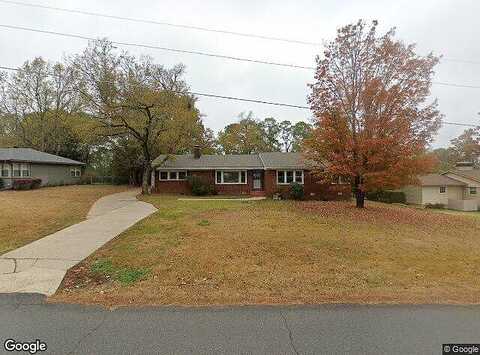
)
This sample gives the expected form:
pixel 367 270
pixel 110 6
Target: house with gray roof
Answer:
pixel 458 188
pixel 27 163
pixel 260 174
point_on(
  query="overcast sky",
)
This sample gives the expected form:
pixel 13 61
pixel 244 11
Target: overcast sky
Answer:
pixel 449 28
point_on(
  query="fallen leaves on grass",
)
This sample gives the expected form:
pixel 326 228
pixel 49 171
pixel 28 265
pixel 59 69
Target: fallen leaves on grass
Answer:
pixel 376 213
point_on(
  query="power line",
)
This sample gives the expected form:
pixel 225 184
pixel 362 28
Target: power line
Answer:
pixel 162 23
pixel 190 27
pixel 128 44
pixel 260 101
pixel 214 95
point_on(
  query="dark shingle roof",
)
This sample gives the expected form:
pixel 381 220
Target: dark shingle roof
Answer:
pixel 274 160
pixel 34 156
pixel 240 161
pixel 279 160
pixel 439 180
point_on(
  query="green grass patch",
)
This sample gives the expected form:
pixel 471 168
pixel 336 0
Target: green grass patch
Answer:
pixel 203 223
pixel 125 276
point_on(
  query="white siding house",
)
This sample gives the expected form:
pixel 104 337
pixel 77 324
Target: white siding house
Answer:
pixel 456 189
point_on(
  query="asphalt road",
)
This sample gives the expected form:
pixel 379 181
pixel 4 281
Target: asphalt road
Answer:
pixel 329 329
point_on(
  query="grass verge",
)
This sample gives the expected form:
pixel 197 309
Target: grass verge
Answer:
pixel 284 252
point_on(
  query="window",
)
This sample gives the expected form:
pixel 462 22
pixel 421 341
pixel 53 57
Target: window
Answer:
pixel 16 170
pixel 5 170
pixel 75 172
pixel 25 168
pixel 285 177
pixel 473 190
pixel 172 175
pixel 231 177
pixel 443 189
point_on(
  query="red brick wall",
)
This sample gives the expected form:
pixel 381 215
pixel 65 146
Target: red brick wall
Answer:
pixel 208 176
pixel 312 187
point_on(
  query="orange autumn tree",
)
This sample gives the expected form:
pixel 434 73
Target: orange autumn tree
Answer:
pixel 373 121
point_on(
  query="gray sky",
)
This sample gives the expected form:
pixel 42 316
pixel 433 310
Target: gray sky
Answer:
pixel 444 27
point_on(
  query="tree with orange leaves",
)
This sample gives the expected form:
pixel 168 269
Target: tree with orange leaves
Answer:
pixel 373 121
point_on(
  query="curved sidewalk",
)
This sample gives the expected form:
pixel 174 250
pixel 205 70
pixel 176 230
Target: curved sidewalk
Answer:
pixel 39 267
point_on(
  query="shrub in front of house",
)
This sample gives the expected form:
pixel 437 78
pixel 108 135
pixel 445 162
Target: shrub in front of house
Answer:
pixel 435 205
pixel 2 184
pixel 387 196
pixel 199 187
pixel 26 184
pixel 296 191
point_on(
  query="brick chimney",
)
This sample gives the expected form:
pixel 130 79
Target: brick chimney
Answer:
pixel 197 152
pixel 464 165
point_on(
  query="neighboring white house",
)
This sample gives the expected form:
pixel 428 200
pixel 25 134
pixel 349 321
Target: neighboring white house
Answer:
pixel 457 189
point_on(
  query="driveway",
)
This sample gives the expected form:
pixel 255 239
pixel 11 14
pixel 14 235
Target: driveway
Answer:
pixel 39 267
pixel 327 329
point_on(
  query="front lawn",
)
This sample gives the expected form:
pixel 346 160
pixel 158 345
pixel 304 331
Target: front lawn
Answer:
pixel 26 216
pixel 283 252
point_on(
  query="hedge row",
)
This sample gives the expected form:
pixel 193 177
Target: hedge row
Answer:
pixel 387 196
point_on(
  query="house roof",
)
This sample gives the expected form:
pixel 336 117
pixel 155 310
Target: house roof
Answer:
pixel 187 161
pixel 274 160
pixel 473 174
pixel 439 180
pixel 279 160
pixel 29 155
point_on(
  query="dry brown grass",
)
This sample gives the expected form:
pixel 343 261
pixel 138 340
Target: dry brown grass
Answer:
pixel 26 216
pixel 281 252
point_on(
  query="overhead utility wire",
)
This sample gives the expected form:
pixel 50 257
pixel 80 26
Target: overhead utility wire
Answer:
pixel 197 52
pixel 129 44
pixel 190 27
pixel 162 23
pixel 258 101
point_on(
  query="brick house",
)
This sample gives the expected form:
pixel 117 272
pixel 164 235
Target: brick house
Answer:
pixel 262 174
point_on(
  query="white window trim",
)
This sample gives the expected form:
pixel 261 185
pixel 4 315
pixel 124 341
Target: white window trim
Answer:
pixel 77 172
pixel 440 190
pixel 6 167
pixel 231 183
pixel 473 188
pixel 168 175
pixel 25 167
pixel 16 167
pixel 294 173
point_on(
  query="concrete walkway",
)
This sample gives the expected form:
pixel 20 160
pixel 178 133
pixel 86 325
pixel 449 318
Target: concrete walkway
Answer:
pixel 39 267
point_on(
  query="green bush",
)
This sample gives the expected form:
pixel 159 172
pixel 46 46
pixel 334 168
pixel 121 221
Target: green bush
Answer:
pixel 2 184
pixel 199 187
pixel 387 196
pixel 296 191
pixel 435 205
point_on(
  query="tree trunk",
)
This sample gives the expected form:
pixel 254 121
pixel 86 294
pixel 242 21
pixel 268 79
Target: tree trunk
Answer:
pixel 360 198
pixel 147 171
pixel 359 192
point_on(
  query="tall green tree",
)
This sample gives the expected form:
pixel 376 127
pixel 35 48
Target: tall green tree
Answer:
pixel 271 134
pixel 300 132
pixel 466 147
pixel 244 137
pixel 136 98
pixel 41 109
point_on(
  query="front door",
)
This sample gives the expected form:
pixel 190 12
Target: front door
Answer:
pixel 257 180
